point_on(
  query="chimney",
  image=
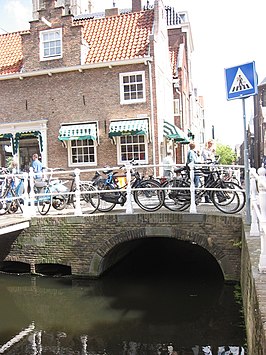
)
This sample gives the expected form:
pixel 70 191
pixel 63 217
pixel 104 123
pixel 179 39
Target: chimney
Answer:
pixel 75 6
pixel 90 6
pixel 111 12
pixel 136 5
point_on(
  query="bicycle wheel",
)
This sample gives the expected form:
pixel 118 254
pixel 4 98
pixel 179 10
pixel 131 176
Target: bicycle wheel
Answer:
pixel 44 202
pixel 229 201
pixel 149 200
pixel 3 207
pixel 11 204
pixel 104 204
pixel 89 198
pixel 177 200
pixel 59 202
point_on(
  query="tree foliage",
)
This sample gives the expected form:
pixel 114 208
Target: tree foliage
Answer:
pixel 226 154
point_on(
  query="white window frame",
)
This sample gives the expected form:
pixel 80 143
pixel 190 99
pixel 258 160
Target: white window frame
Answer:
pixel 79 164
pixel 43 40
pixel 177 107
pixel 124 101
pixel 119 153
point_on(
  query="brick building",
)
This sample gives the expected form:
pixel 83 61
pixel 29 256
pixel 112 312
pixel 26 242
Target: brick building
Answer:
pixel 96 89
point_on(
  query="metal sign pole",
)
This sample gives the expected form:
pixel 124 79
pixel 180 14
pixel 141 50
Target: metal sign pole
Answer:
pixel 242 82
pixel 247 167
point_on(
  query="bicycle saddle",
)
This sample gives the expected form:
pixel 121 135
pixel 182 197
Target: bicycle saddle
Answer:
pixel 39 184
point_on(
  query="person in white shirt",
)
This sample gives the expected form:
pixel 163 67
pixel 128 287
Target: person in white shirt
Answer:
pixel 168 165
pixel 208 153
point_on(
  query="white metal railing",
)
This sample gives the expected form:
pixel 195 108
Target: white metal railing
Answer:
pixel 17 338
pixel 29 198
pixel 258 211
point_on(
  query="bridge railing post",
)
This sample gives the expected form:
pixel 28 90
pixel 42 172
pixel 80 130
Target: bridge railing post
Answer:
pixel 129 204
pixel 32 210
pixel 262 202
pixel 25 196
pixel 254 227
pixel 192 208
pixel 78 211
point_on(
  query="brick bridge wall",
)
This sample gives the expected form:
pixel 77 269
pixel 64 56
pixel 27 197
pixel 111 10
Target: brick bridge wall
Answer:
pixel 92 244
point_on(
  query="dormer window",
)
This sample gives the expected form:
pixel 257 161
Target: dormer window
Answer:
pixel 51 44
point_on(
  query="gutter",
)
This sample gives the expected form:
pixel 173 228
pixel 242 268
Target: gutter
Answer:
pixel 152 118
pixel 79 68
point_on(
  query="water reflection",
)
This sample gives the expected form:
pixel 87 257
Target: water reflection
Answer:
pixel 152 303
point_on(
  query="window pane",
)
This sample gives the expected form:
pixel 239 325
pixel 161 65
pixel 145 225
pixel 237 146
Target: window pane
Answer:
pixel 126 96
pixel 135 139
pixel 133 87
pixel 86 159
pixel 142 147
pixel 50 36
pixel 126 88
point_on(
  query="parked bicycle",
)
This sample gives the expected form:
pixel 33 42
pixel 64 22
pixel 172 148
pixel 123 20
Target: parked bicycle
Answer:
pixel 13 189
pixel 147 194
pixel 89 196
pixel 11 193
pixel 227 196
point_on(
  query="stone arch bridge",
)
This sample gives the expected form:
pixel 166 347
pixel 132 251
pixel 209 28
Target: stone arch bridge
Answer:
pixel 91 244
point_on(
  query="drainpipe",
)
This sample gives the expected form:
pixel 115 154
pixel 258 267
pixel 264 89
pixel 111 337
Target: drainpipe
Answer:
pixel 152 119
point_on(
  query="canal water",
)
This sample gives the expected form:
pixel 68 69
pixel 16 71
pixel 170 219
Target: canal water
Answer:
pixel 163 298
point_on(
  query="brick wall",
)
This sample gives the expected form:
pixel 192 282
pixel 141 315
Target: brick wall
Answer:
pixel 89 96
pixel 253 285
pixel 87 243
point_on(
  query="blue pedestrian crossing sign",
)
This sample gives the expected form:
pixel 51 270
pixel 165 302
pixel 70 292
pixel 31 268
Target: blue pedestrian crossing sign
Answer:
pixel 241 81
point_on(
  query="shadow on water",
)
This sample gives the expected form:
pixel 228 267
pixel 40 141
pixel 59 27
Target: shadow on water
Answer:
pixel 164 291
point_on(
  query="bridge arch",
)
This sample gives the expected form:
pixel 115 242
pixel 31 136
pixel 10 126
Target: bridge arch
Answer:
pixel 118 246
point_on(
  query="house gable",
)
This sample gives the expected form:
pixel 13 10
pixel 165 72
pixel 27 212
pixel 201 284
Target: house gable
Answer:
pixel 114 38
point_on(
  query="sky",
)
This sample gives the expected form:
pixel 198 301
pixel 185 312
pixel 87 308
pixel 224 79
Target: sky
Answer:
pixel 225 34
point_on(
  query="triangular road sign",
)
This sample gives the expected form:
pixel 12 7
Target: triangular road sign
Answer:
pixel 240 83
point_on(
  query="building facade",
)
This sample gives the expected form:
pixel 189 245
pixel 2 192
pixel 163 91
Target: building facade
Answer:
pixel 87 91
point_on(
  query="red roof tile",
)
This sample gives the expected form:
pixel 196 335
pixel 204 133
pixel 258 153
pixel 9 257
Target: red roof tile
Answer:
pixel 10 53
pixel 119 37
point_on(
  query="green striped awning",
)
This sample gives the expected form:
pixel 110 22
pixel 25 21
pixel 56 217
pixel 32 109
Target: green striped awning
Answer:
pixel 128 127
pixel 78 131
pixel 171 131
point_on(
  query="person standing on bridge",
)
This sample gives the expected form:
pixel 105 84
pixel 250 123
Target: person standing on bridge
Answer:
pixel 168 165
pixel 37 166
pixel 208 155
pixel 192 157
